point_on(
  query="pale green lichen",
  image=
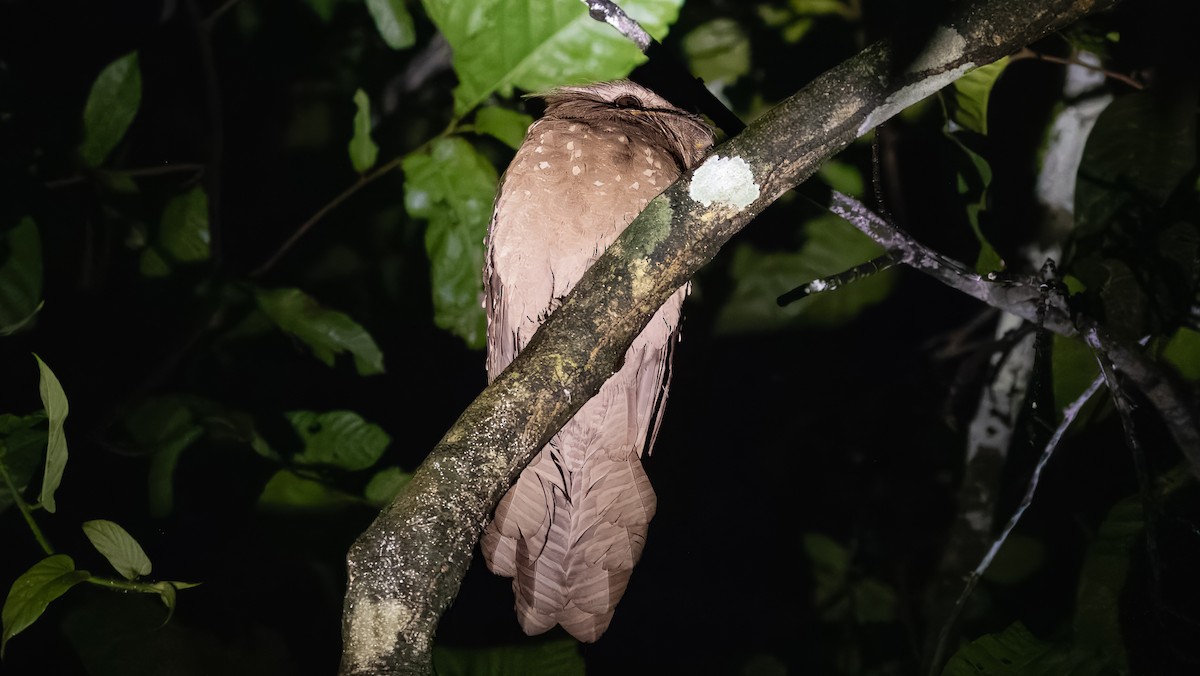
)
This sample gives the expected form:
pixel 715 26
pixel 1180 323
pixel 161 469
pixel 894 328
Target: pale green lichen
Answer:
pixel 726 181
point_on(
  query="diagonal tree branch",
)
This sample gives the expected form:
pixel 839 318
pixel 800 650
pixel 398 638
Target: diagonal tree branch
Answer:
pixel 407 567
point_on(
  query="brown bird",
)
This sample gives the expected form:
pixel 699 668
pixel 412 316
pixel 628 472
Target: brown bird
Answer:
pixel 572 527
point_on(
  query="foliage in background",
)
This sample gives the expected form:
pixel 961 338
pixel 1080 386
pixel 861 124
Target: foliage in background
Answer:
pixel 219 252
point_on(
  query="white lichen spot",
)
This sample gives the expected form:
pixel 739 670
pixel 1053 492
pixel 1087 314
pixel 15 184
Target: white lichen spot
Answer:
pixel 946 46
pixel 727 181
pixel 575 170
pixel 817 286
pixel 909 95
pixel 374 627
pixel 543 165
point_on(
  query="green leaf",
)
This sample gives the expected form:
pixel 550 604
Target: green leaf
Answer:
pixel 967 98
pixel 338 438
pixel 167 591
pixel 385 485
pixel 111 107
pixel 394 23
pixel 119 547
pixel 20 276
pixel 322 8
pixel 830 565
pixel 163 426
pixel 1142 146
pixel 363 151
pixel 974 180
pixel 1074 368
pixel 452 186
pixel 546 658
pixel 22 443
pixel 538 44
pixel 288 490
pixel 833 246
pixel 1013 652
pixel 1183 352
pixel 55 402
pixel 842 177
pixel 718 51
pixel 327 333
pixel 507 125
pixel 33 591
pixel 183 235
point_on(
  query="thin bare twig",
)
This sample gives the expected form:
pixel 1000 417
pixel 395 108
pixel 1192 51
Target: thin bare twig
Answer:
pixel 1069 414
pixel 1027 53
pixel 363 181
pixel 160 170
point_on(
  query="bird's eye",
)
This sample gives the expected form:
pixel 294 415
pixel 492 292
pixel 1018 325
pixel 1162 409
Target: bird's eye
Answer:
pixel 627 101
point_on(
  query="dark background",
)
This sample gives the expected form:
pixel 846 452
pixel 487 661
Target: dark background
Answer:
pixel 853 431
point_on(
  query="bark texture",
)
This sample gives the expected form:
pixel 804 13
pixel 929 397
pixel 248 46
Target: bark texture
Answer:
pixel 406 568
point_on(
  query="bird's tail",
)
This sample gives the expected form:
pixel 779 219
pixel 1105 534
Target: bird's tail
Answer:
pixel 570 540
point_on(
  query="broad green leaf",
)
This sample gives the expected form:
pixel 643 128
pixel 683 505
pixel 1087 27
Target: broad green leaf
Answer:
pixel 452 186
pixel 873 601
pixel 22 444
pixel 1020 557
pixel 119 547
pixel 183 234
pixel 833 246
pixel 322 8
pixel 1141 147
pixel 1183 352
pixel 33 591
pixel 842 177
pixel 20 276
pixel 830 565
pixel 394 23
pixel 718 51
pixel 1074 368
pixel 548 658
pixel 538 44
pixel 288 490
pixel 55 402
pixel 163 427
pixel 1013 652
pixel 111 107
pixel 967 98
pixel 383 487
pixel 327 333
pixel 818 7
pixel 507 125
pixel 974 180
pixel 363 151
pixel 338 438
pixel 168 590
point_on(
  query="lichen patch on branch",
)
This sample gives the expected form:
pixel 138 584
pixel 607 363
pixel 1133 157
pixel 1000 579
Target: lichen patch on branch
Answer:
pixel 726 181
pixel 372 630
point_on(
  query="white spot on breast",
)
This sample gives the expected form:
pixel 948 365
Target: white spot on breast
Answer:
pixel 623 138
pixel 543 165
pixel 648 172
pixel 570 145
pixel 635 185
pixel 572 127
pixel 617 178
pixel 579 153
pixel 575 170
pixel 598 183
pixel 539 149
